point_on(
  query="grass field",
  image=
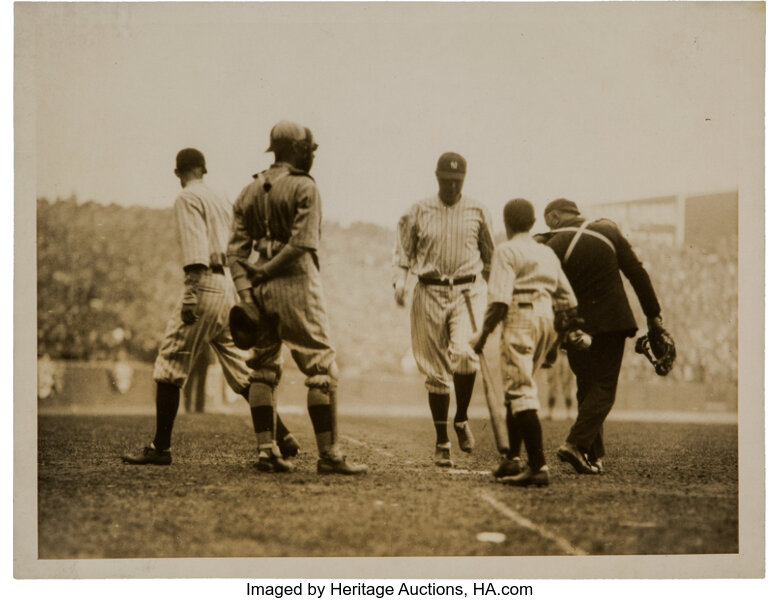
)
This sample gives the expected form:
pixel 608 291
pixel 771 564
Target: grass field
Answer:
pixel 669 488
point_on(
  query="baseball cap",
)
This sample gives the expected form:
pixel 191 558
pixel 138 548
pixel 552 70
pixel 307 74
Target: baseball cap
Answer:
pixel 561 204
pixel 287 131
pixel 190 158
pixel 451 166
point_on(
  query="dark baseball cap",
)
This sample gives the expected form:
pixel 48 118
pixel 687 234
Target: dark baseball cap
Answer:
pixel 190 158
pixel 561 204
pixel 451 166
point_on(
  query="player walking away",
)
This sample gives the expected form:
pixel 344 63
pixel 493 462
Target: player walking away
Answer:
pixel 279 214
pixel 201 315
pixel 530 295
pixel 445 240
pixel 592 254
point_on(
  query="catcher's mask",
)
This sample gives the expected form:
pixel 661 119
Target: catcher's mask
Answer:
pixel 659 349
pixel 244 324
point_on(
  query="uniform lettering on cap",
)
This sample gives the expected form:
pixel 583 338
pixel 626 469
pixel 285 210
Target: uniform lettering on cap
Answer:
pixel 453 164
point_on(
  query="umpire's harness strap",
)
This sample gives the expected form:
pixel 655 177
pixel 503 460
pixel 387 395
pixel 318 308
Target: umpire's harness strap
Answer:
pixel 582 229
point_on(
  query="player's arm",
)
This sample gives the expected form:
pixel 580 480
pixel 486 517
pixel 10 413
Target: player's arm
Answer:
pixel 486 244
pixel 405 246
pixel 193 238
pixel 499 292
pixel 239 248
pixel 636 274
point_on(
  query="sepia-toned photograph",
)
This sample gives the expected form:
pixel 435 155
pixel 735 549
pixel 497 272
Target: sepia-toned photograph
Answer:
pixel 303 285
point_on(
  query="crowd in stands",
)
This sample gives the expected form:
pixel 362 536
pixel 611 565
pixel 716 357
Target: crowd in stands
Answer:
pixel 109 276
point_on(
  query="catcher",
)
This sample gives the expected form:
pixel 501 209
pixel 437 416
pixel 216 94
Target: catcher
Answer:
pixel 593 253
pixel 279 215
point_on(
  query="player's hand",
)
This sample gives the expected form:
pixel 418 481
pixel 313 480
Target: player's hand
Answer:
pixel 655 323
pixel 189 313
pixel 246 296
pixel 256 274
pixel 400 293
pixel 477 343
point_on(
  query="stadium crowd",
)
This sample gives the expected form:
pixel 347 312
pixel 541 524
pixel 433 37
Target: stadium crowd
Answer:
pixel 108 276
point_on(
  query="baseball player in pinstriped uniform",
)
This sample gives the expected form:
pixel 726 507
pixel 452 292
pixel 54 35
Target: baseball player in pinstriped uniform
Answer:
pixel 279 214
pixel 203 225
pixel 531 296
pixel 445 240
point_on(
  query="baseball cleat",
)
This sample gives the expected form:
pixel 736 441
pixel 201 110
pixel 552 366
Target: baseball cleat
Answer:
pixel 149 456
pixel 464 436
pixel 270 463
pixel 597 464
pixel 573 456
pixel 338 465
pixel 442 456
pixel 528 477
pixel 509 467
pixel 289 446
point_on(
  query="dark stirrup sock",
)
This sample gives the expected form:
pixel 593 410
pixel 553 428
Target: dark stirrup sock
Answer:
pixel 167 408
pixel 463 389
pixel 439 409
pixel 530 427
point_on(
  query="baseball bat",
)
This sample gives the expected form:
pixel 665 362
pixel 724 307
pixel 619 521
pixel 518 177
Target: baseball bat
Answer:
pixel 495 407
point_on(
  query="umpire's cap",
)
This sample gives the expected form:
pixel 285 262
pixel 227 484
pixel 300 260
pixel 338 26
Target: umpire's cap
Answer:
pixel 285 132
pixel 450 166
pixel 519 215
pixel 562 204
pixel 244 324
pixel 190 158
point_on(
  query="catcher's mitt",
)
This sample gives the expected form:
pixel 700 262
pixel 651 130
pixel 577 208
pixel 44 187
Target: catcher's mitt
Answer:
pixel 659 348
pixel 244 324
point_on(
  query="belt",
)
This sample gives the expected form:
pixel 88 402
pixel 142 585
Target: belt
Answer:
pixel 450 281
pixel 218 269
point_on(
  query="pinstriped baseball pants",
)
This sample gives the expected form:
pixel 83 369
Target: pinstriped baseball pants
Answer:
pixel 528 334
pixel 182 343
pixel 441 331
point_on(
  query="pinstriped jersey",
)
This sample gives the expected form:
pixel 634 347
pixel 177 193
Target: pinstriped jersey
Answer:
pixel 202 221
pixel 293 215
pixel 521 263
pixel 436 240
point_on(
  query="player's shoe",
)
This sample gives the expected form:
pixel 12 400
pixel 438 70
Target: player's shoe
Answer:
pixel 509 467
pixel 464 436
pixel 271 462
pixel 289 446
pixel 442 457
pixel 597 465
pixel 149 456
pixel 528 477
pixel 575 457
pixel 338 465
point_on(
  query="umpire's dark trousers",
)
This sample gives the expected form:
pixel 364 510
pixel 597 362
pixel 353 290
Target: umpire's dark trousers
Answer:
pixel 597 372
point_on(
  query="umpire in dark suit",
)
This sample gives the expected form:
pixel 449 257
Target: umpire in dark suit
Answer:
pixel 592 254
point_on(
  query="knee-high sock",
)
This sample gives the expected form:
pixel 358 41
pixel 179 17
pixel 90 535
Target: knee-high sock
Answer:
pixel 530 427
pixel 263 411
pixel 515 435
pixel 439 408
pixel 463 389
pixel 281 429
pixel 321 419
pixel 167 406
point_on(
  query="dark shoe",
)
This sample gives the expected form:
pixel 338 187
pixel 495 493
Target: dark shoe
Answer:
pixel 149 456
pixel 510 467
pixel 464 436
pixel 270 463
pixel 338 465
pixel 572 455
pixel 529 477
pixel 442 457
pixel 289 446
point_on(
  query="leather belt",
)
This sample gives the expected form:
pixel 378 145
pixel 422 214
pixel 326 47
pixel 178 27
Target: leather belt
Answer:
pixel 218 269
pixel 450 281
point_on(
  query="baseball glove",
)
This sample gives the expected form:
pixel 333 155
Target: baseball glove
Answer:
pixel 659 348
pixel 244 324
